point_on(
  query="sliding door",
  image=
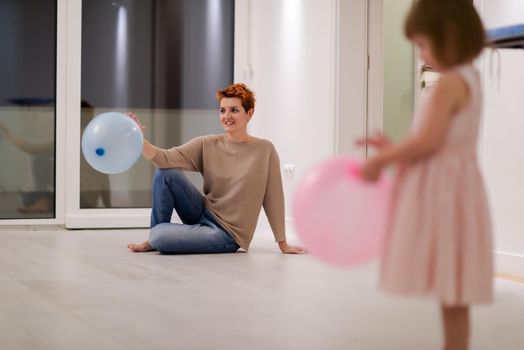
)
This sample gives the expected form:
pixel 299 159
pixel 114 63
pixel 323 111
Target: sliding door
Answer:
pixel 160 59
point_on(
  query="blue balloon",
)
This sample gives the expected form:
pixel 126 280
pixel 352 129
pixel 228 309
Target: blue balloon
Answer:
pixel 112 142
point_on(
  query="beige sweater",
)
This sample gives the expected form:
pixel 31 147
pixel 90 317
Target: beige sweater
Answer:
pixel 239 178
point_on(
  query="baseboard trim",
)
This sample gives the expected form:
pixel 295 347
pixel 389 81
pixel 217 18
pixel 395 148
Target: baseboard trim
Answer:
pixel 509 265
pixel 510 277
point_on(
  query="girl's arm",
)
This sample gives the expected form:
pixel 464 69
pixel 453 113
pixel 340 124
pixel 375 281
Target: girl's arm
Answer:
pixel 378 141
pixel 450 95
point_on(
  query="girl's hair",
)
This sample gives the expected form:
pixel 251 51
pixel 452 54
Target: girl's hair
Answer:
pixel 453 27
pixel 242 92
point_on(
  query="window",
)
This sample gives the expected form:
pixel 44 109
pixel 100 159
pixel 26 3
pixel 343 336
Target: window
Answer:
pixel 27 108
pixel 162 60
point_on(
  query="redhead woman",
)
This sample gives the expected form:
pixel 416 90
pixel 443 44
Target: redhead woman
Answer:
pixel 241 176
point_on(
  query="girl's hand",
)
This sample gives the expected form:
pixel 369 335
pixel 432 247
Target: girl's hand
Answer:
pixel 378 140
pixel 371 169
pixel 134 117
pixel 288 249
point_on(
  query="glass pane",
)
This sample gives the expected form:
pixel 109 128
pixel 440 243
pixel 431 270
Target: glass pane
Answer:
pixel 399 71
pixel 27 108
pixel 162 60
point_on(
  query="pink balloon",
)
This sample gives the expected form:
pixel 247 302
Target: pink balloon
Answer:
pixel 340 218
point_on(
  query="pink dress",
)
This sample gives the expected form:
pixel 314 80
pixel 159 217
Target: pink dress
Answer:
pixel 439 240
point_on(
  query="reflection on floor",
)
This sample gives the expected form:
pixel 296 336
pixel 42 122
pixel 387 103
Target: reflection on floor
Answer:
pixel 84 290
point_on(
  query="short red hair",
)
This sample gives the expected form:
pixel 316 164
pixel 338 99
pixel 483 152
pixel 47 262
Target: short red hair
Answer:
pixel 240 91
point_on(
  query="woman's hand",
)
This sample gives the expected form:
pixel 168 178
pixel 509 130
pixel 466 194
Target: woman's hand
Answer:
pixel 149 150
pixel 371 169
pixel 135 118
pixel 288 249
pixel 378 140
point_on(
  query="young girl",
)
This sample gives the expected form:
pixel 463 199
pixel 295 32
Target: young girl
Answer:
pixel 439 240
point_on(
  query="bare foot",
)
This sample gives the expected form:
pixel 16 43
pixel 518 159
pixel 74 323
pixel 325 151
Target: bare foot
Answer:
pixel 140 247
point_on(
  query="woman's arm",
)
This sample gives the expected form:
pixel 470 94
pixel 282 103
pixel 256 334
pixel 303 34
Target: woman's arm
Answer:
pixel 450 95
pixel 186 157
pixel 149 150
pixel 274 205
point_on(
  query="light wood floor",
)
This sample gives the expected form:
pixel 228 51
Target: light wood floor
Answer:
pixel 84 290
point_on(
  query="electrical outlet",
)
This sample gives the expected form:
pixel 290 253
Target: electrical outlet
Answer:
pixel 289 171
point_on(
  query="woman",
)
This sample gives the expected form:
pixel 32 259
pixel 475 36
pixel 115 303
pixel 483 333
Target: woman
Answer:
pixel 241 175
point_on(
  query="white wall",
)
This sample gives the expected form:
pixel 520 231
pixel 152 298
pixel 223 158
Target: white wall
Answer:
pixel 293 60
pixel 288 53
pixel 503 141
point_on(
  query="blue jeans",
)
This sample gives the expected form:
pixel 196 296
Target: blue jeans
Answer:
pixel 199 233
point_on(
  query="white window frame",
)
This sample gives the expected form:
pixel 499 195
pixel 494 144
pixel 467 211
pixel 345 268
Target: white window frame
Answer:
pixel 75 217
pixel 60 121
